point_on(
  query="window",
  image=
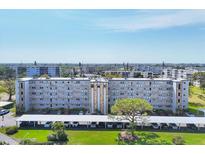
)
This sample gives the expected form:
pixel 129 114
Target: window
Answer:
pixel 179 94
pixel 21 85
pixel 50 99
pixel 178 100
pixel 179 86
pixel 21 99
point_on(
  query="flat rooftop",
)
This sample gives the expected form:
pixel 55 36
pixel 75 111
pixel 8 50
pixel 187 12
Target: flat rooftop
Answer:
pixel 106 118
pixel 103 79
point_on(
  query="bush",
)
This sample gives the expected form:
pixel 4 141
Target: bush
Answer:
pixel 178 140
pixel 59 137
pixel 34 142
pixel 62 136
pixel 11 130
pixel 3 143
pixel 52 137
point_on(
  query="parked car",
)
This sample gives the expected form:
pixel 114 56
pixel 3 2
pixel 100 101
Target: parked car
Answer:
pixel 93 125
pixel 3 112
pixel 164 125
pixel 81 113
pixel 75 124
pixel 119 125
pixel 47 124
pixel 66 124
pixel 173 126
pixel 192 126
pixel 109 125
pixel 155 125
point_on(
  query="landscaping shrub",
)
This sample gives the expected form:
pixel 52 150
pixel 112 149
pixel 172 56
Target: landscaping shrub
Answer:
pixel 3 143
pixel 52 137
pixel 178 140
pixel 34 142
pixel 11 130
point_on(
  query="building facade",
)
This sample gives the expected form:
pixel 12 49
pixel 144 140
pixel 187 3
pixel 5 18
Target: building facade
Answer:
pixel 38 70
pixel 98 95
pixel 178 73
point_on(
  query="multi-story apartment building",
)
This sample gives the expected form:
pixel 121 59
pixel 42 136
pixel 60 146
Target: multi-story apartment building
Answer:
pixel 178 73
pixel 41 69
pixel 99 94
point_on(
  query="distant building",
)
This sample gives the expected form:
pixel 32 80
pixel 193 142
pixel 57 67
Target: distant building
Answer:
pixel 178 73
pixel 99 94
pixel 42 69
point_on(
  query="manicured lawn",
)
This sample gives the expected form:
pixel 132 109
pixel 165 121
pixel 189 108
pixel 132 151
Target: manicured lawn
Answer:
pixel 86 137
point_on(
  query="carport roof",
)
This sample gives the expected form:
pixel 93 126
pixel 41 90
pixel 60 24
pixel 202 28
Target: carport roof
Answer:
pixel 105 118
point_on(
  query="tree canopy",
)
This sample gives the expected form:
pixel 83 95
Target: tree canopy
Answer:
pixel 131 109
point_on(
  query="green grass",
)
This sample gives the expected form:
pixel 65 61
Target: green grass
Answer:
pixel 196 100
pixel 86 137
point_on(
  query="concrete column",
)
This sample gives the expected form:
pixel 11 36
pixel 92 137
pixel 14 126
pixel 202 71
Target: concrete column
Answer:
pixel 105 103
pixel 92 100
pixel 198 126
pixel 123 125
pixel 98 98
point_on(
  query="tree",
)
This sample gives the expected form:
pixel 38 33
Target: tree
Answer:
pixel 7 73
pixel 132 110
pixel 178 140
pixel 9 87
pixel 59 133
pixel 202 86
pixel 45 76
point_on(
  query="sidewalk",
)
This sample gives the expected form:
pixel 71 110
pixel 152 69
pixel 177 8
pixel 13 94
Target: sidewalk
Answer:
pixel 7 139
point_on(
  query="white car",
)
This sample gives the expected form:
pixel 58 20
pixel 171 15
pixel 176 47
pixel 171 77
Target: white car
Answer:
pixel 155 125
pixel 47 124
pixel 81 113
pixel 119 125
pixel 75 124
pixel 109 125
pixel 173 126
pixel 93 125
pixel 67 124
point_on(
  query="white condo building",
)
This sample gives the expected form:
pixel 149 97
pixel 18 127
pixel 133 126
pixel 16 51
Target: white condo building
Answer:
pixel 99 94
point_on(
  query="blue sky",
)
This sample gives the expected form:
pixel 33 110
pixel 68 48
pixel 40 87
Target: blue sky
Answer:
pixel 102 36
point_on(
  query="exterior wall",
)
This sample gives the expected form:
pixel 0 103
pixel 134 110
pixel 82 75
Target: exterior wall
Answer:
pixel 41 70
pixel 157 93
pixel 97 95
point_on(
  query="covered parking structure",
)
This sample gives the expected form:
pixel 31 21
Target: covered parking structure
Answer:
pixel 87 119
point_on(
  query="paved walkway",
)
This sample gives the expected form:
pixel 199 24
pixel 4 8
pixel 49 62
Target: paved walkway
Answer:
pixel 7 139
pixel 7 120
